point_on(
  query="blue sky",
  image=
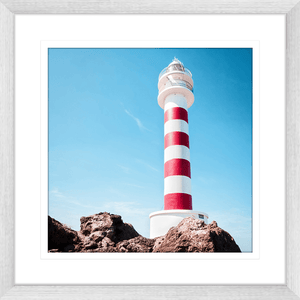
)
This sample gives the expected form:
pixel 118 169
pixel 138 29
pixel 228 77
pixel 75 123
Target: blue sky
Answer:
pixel 106 140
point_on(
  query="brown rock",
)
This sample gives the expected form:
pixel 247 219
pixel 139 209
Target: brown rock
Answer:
pixel 137 244
pixel 90 245
pixel 97 236
pixel 60 236
pixel 192 235
pixel 158 242
pixel 107 225
pixel 105 232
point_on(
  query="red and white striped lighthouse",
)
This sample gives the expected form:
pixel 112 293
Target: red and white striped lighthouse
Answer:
pixel 175 85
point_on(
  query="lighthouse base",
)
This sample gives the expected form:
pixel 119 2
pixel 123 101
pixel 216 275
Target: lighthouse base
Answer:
pixel 162 221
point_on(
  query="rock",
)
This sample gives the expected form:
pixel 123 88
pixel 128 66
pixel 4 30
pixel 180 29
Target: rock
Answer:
pixel 98 233
pixel 158 242
pixel 193 235
pixel 90 245
pixel 97 236
pixel 105 232
pixel 107 242
pixel 60 236
pixel 137 244
pixel 107 225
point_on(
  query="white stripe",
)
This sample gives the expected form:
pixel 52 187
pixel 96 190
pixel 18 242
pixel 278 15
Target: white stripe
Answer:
pixel 178 184
pixel 177 100
pixel 176 125
pixel 177 151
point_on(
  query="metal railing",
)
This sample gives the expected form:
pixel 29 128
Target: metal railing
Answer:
pixel 177 83
pixel 169 70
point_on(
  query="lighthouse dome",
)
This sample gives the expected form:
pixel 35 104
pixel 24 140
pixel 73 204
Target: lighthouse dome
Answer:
pixel 176 61
pixel 176 64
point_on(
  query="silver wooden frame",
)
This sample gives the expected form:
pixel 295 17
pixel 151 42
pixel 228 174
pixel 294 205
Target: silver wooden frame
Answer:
pixel 289 291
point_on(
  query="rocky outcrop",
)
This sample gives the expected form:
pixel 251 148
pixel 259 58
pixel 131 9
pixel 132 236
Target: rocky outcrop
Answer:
pixel 102 232
pixel 106 225
pixel 105 232
pixel 61 238
pixel 192 235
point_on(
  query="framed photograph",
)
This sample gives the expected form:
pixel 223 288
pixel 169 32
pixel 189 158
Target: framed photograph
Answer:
pixel 135 129
pixel 28 271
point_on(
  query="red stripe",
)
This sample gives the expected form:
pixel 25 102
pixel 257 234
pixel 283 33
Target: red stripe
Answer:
pixel 178 201
pixel 177 166
pixel 176 113
pixel 176 138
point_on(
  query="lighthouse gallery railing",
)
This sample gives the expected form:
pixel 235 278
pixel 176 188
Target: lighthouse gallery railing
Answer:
pixel 177 83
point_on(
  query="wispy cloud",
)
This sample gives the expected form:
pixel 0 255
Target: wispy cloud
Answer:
pixel 125 169
pixel 55 192
pixel 135 185
pixel 114 190
pixel 137 120
pixel 125 208
pixel 147 165
pixel 80 204
pixel 69 199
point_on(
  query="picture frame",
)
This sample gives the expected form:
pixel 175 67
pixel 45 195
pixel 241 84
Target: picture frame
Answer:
pixel 8 289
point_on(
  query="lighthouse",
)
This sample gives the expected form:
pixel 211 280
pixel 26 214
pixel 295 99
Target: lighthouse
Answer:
pixel 175 97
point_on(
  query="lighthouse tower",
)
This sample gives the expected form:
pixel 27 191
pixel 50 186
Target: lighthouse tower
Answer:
pixel 175 85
